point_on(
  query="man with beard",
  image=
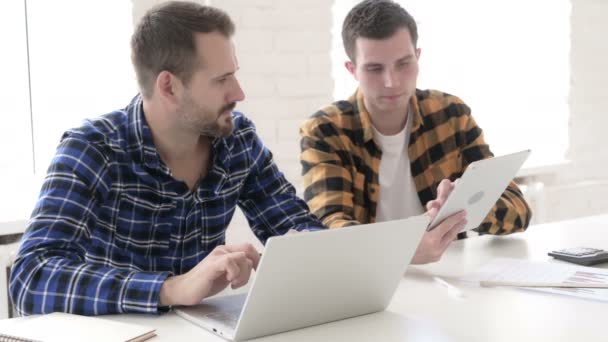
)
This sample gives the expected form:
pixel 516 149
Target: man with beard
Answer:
pixel 133 212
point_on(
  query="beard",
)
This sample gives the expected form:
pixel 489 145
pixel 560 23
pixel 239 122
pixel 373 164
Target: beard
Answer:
pixel 212 123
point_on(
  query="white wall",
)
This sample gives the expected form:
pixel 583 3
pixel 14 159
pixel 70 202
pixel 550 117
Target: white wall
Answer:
pixel 582 188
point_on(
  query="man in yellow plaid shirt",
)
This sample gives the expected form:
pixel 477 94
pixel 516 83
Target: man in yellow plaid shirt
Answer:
pixel 391 150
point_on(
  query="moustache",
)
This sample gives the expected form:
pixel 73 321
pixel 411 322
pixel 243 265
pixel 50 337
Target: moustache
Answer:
pixel 229 107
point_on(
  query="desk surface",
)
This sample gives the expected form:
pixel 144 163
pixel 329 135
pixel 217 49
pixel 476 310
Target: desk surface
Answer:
pixel 422 310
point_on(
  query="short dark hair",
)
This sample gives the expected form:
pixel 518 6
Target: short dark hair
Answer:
pixel 164 40
pixel 375 19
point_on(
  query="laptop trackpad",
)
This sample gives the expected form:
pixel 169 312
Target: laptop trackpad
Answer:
pixel 217 311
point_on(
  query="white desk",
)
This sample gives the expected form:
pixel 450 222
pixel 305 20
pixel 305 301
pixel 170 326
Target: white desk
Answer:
pixel 507 314
pixel 422 310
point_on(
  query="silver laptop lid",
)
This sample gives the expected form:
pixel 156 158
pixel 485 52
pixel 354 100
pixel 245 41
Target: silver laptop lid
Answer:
pixel 318 277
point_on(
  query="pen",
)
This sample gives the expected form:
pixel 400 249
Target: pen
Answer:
pixel 452 290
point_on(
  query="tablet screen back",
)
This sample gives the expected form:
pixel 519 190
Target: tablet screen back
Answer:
pixel 481 185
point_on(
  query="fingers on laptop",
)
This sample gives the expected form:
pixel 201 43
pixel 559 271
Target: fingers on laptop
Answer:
pixel 237 267
pixel 244 274
pixel 250 252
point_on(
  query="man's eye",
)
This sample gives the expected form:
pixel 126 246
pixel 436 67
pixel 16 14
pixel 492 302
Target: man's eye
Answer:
pixel 375 70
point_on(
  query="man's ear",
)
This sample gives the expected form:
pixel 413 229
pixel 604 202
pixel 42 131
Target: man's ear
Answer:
pixel 167 86
pixel 418 51
pixel 351 67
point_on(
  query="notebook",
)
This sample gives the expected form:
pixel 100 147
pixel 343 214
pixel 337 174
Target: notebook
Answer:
pixel 65 327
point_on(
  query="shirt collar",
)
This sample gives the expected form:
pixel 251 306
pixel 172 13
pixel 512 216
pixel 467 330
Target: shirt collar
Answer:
pixel 142 142
pixel 366 123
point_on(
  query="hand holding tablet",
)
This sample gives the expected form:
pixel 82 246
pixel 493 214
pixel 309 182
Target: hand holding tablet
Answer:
pixel 480 187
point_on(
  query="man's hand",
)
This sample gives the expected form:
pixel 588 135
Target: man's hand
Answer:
pixel 225 265
pixel 293 231
pixel 435 242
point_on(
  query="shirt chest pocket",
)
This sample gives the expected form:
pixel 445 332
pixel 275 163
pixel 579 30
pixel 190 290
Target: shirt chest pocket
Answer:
pixel 142 232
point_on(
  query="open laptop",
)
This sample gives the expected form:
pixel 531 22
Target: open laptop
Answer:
pixel 317 277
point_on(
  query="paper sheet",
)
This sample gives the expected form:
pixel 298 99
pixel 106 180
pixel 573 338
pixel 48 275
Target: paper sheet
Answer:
pixel 516 270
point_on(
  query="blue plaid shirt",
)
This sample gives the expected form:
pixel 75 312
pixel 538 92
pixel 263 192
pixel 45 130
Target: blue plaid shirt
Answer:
pixel 111 223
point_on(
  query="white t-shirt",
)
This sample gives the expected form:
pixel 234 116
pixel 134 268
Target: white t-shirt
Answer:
pixel 398 197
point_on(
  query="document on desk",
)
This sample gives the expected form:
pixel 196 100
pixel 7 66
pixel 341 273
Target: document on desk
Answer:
pixel 65 327
pixel 559 278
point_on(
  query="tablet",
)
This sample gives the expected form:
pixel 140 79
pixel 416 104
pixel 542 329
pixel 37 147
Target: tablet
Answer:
pixel 480 187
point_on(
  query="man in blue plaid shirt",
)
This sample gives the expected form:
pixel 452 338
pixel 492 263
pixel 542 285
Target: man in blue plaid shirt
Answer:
pixel 133 212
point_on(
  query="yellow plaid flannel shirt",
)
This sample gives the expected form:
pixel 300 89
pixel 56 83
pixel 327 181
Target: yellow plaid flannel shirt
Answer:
pixel 340 161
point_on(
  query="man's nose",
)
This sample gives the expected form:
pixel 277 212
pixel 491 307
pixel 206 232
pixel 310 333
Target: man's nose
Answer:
pixel 391 79
pixel 237 94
